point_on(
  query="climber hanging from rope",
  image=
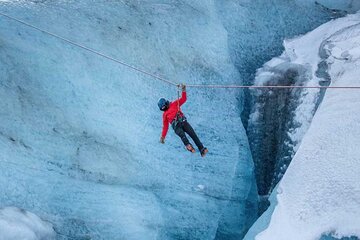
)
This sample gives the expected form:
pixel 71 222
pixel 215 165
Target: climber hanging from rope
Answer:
pixel 173 115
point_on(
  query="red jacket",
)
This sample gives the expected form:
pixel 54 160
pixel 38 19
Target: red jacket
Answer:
pixel 170 114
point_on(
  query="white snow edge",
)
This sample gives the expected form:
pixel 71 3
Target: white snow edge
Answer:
pixel 16 224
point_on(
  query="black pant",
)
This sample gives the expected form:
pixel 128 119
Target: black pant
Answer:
pixel 184 127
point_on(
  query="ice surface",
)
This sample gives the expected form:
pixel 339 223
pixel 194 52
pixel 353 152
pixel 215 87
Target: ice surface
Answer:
pixel 16 224
pixel 79 134
pixel 346 5
pixel 319 194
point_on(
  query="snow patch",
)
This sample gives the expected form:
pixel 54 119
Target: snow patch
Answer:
pixel 16 223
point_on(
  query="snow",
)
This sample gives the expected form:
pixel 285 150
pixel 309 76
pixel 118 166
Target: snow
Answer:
pixel 319 194
pixel 16 224
pixel 79 134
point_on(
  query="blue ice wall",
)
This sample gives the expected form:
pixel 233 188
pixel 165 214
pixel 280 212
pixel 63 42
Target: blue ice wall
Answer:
pixel 79 134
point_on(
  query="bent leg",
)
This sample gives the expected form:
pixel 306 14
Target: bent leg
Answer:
pixel 180 132
pixel 189 130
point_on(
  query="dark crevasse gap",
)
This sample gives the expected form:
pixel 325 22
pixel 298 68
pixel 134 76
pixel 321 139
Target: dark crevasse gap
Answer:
pixel 273 123
pixel 273 120
pixel 269 132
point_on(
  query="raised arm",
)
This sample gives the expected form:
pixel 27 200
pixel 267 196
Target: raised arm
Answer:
pixel 183 98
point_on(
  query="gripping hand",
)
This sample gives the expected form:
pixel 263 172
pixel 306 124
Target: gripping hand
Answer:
pixel 183 87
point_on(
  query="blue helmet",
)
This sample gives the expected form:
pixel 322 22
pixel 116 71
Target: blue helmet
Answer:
pixel 163 104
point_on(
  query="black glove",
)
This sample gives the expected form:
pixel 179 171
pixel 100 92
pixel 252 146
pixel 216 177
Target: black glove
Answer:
pixel 183 87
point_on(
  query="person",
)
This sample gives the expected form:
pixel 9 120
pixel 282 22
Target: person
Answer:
pixel 174 116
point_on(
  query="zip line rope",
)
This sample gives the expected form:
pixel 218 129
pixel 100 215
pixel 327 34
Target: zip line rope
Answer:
pixel 88 49
pixel 266 86
pixel 160 78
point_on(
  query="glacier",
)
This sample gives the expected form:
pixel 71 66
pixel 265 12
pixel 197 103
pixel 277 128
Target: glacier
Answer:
pixel 18 224
pixel 318 197
pixel 79 134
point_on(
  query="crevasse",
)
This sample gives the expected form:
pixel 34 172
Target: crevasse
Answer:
pixel 79 135
pixel 318 196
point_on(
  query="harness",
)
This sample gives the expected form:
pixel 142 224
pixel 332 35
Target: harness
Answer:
pixel 178 119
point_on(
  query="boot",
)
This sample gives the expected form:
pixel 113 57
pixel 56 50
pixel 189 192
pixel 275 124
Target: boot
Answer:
pixel 204 151
pixel 190 148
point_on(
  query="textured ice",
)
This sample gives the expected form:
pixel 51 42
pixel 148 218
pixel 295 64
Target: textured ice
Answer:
pixel 16 224
pixel 319 194
pixel 346 5
pixel 79 134
pixel 257 28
